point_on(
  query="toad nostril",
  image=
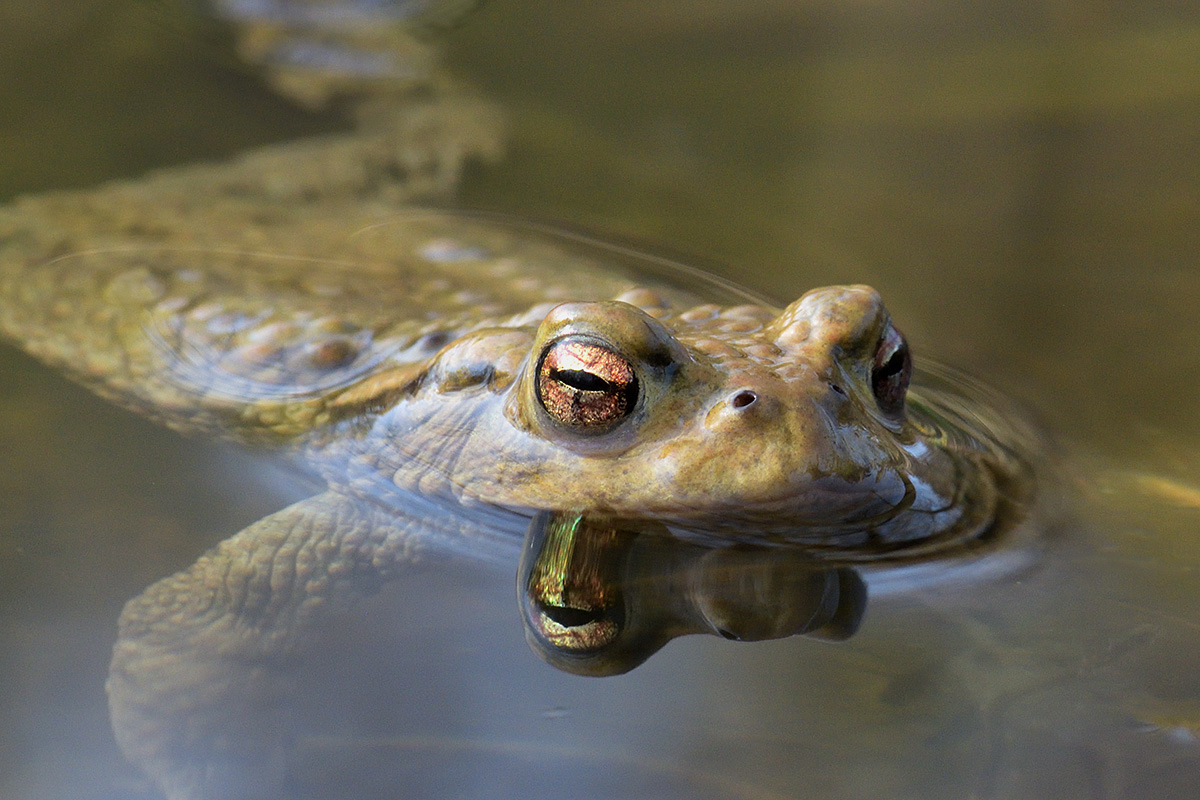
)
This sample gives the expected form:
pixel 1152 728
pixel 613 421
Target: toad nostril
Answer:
pixel 743 399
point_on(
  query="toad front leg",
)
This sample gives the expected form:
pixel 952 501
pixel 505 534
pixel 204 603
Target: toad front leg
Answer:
pixel 204 658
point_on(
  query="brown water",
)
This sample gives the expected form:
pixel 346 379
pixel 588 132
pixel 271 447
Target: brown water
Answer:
pixel 1022 183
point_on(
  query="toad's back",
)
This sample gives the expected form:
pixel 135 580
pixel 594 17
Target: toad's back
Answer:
pixel 124 288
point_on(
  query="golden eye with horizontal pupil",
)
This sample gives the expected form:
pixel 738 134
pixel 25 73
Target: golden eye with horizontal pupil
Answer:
pixel 586 384
pixel 891 371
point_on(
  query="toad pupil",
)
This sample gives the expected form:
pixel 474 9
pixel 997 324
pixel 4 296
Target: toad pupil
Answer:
pixel 583 380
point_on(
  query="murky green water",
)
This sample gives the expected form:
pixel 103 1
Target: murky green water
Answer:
pixel 1022 185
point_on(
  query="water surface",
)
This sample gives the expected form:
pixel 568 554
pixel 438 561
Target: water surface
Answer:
pixel 1020 184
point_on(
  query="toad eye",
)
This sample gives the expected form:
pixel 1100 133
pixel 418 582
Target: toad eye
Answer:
pixel 585 384
pixel 891 372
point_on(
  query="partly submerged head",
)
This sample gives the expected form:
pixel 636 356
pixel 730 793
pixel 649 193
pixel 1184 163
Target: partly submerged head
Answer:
pixel 719 411
pixel 795 424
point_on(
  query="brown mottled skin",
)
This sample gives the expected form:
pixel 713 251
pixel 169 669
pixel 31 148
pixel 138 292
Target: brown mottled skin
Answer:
pixel 397 355
pixel 414 358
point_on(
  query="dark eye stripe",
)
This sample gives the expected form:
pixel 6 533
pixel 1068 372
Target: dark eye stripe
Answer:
pixel 582 380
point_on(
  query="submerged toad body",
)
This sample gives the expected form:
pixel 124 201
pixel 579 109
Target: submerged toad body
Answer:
pixel 451 378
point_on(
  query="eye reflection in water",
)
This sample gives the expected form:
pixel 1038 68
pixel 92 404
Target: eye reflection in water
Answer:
pixel 599 596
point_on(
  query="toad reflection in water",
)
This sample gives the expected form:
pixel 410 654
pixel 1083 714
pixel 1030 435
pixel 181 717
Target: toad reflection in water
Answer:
pixel 599 597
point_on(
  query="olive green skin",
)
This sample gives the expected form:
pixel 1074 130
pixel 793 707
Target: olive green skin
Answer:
pixel 395 354
pixel 412 363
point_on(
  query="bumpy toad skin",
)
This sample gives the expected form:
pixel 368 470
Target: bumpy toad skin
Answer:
pixel 413 363
pixel 408 359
